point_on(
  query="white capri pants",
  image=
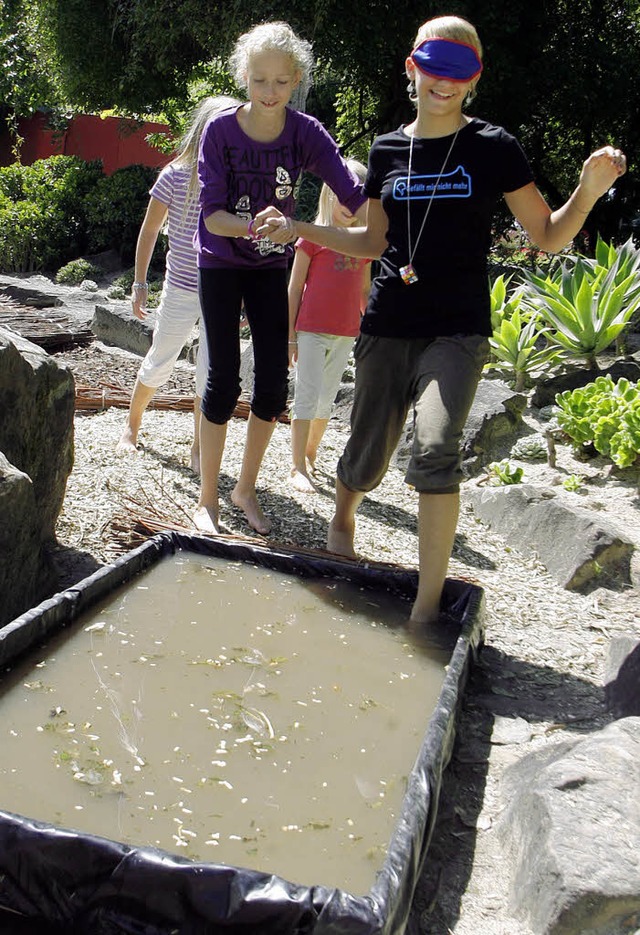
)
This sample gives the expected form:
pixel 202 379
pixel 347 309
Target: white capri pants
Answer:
pixel 322 359
pixel 177 314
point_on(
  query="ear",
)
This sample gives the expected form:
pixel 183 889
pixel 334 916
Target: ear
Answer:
pixel 410 68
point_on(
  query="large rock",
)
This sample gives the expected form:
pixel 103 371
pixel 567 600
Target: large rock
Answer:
pixel 576 549
pixel 572 823
pixel 26 571
pixel 37 402
pixel 116 325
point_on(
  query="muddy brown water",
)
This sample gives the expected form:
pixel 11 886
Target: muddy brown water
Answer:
pixel 226 713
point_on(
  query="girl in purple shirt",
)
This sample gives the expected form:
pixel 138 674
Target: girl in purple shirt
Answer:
pixel 250 157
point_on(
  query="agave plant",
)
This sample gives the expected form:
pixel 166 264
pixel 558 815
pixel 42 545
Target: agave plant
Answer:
pixel 518 332
pixel 587 304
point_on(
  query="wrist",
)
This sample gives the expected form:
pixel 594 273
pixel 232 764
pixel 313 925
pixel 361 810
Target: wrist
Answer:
pixel 251 231
pixel 577 202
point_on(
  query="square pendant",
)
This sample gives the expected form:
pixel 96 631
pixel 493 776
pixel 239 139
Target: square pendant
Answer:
pixel 408 274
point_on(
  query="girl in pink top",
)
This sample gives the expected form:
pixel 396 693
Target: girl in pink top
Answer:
pixel 327 294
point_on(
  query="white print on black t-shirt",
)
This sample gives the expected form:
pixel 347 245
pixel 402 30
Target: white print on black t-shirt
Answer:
pixel 455 184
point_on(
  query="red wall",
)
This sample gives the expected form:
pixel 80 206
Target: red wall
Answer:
pixel 117 141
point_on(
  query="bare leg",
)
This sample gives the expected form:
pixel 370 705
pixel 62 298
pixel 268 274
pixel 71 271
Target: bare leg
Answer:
pixel 342 527
pixel 437 521
pixel 212 439
pixel 299 443
pixel 195 447
pixel 243 495
pixel 316 433
pixel 140 399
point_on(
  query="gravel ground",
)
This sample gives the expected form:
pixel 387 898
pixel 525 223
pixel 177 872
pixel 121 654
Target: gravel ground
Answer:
pixel 541 673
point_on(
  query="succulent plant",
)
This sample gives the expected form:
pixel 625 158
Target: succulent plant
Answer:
pixel 530 448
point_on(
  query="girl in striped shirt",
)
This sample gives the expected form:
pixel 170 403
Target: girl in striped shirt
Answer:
pixel 174 199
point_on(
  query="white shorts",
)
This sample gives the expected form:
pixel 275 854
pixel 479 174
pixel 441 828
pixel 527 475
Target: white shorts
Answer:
pixel 322 359
pixel 177 315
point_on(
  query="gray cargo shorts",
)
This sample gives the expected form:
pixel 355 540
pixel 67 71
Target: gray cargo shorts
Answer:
pixel 438 377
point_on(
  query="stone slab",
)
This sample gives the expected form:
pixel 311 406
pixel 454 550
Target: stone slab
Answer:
pixel 580 551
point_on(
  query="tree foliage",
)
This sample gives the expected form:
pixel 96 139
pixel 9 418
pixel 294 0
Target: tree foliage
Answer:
pixel 28 76
pixel 562 76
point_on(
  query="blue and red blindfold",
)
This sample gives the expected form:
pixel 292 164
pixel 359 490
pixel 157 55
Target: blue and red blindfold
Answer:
pixel 447 58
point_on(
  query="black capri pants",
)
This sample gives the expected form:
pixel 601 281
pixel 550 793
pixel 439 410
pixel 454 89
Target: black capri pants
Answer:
pixel 264 294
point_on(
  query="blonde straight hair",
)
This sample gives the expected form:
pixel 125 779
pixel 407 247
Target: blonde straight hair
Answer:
pixel 189 145
pixel 450 27
pixel 327 200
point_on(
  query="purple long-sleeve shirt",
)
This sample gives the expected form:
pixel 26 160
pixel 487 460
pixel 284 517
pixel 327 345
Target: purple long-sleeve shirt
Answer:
pixel 242 176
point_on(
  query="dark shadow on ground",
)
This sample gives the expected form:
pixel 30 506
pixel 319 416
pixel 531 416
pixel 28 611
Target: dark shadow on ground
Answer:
pixel 71 565
pixel 498 685
pixel 278 507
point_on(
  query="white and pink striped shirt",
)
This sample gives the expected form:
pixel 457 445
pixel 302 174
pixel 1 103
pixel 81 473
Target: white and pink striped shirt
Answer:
pixel 170 188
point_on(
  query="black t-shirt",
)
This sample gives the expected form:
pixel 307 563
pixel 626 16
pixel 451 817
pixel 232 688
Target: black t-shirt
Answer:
pixel 451 295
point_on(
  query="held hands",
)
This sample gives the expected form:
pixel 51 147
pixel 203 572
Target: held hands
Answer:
pixel 273 225
pixel 599 172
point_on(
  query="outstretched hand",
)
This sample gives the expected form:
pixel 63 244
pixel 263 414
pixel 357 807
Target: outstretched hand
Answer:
pixel 601 170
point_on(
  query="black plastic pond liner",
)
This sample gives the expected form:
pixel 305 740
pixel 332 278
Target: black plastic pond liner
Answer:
pixel 79 884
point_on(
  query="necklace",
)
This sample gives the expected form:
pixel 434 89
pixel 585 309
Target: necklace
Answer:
pixel 408 273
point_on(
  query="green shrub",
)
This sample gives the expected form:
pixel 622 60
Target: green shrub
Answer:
pixel 605 414
pixel 42 217
pixel 115 210
pixel 76 271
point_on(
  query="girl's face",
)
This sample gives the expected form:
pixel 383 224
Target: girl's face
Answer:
pixel 438 96
pixel 271 80
pixel 341 216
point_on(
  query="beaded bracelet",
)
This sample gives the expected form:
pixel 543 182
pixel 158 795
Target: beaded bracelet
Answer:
pixel 140 285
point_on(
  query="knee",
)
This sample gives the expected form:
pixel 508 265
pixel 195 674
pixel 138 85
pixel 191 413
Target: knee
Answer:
pixel 218 406
pixel 436 471
pixel 270 397
pixel 268 406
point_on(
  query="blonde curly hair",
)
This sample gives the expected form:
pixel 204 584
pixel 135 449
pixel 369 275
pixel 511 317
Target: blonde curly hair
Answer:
pixel 273 37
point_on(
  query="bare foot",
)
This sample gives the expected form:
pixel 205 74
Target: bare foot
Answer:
pixel 252 510
pixel 300 481
pixel 341 541
pixel 195 461
pixel 311 464
pixel 205 519
pixel 128 443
